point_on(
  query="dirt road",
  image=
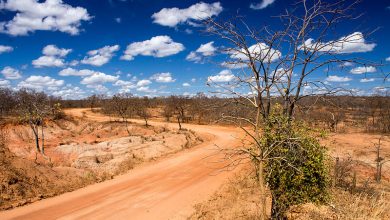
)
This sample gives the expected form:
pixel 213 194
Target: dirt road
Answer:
pixel 165 189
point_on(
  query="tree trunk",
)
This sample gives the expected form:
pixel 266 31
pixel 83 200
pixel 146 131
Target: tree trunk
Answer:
pixel 42 140
pixel 263 199
pixel 178 121
pixel 146 122
pixel 36 137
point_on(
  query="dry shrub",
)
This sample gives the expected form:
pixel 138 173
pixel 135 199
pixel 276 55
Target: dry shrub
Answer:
pixel 128 164
pixel 238 199
pixel 361 206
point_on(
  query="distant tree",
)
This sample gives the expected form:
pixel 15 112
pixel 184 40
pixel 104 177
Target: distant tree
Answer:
pixel 7 101
pixel 93 101
pixel 178 104
pixel 143 106
pixel 123 106
pixel 33 107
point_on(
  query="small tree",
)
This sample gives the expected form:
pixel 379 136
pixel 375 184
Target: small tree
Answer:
pixel 143 109
pixel 123 106
pixel 33 108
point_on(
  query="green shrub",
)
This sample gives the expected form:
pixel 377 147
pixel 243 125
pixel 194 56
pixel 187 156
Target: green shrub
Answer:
pixel 296 170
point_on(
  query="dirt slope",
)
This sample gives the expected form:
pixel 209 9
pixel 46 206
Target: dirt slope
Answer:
pixel 166 189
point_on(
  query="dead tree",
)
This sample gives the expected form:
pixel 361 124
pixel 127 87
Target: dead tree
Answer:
pixel 269 64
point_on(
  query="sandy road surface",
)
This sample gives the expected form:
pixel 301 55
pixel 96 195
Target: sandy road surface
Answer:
pixel 166 189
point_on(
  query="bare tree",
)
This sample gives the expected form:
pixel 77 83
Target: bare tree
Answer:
pixel 379 160
pixel 143 109
pixel 277 64
pixel 124 107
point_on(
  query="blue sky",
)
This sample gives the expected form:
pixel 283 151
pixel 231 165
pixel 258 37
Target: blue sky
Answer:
pixel 75 48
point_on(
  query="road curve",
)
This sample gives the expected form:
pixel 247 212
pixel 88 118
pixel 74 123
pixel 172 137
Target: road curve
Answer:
pixel 165 189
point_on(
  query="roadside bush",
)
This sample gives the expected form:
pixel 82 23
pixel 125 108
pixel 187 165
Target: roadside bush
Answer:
pixel 296 170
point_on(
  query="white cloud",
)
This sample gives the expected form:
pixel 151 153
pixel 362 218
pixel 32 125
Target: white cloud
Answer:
pixel 118 20
pixel 70 93
pixel 5 49
pixel 259 51
pixel 193 80
pixel 99 78
pixel 34 15
pixel 207 49
pixel 40 83
pixel 363 69
pixel 144 82
pixel 346 64
pixel 194 57
pixel 367 80
pixel 353 43
pixel 186 84
pixel 11 73
pixel 388 59
pixel 98 88
pixel 159 46
pixel 223 76
pixel 52 57
pixel 203 51
pixel 53 50
pixel 263 4
pixel 234 65
pixel 338 79
pixel 163 77
pixel 146 89
pixel 100 56
pixel 126 86
pixel 74 72
pixel 4 83
pixel 46 61
pixel 173 16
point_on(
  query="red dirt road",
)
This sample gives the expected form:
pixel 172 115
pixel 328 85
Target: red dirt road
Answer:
pixel 165 189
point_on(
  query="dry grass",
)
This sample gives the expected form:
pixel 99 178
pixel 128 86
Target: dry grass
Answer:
pixel 238 199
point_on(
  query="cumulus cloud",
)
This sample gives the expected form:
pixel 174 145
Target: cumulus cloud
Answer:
pixel 338 79
pixel 263 4
pixel 100 56
pixel 99 78
pixel 50 15
pixel 52 57
pixel 203 51
pixel 353 43
pixel 146 89
pixel 223 76
pixel 159 46
pixel 125 86
pixel 73 72
pixel 171 17
pixel 363 69
pixel 260 51
pixel 143 82
pixel 367 80
pixel 40 83
pixel 70 92
pixel 163 77
pixel 4 83
pixel 186 84
pixel 11 73
pixel 5 49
